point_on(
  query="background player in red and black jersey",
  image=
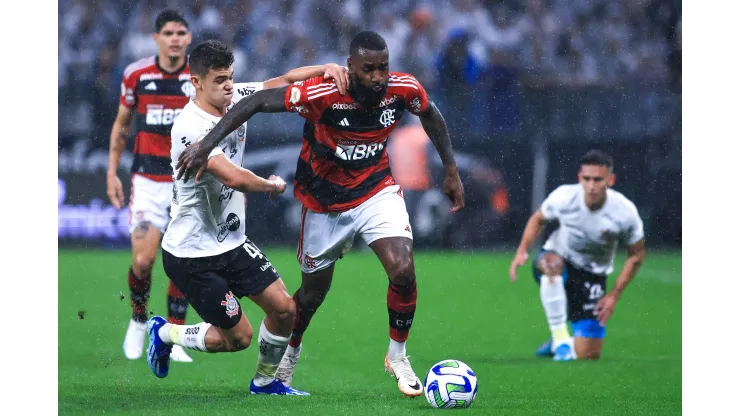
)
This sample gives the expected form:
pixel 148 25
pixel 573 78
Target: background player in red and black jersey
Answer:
pixel 346 187
pixel 153 90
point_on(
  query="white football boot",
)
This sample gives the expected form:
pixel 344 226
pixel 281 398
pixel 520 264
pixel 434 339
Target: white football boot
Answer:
pixel 400 368
pixel 133 344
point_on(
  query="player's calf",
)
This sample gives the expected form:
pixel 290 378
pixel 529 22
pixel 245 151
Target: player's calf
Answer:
pixel 208 338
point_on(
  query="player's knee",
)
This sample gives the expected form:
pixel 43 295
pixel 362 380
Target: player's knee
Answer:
pixel 143 264
pixel 551 264
pixel 590 355
pixel 284 313
pixel 241 340
pixel 402 272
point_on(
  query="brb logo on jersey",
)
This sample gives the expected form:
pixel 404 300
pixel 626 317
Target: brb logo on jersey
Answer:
pixel 358 151
pixel 159 116
pixel 387 118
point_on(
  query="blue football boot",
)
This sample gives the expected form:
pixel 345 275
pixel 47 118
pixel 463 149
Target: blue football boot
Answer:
pixel 158 353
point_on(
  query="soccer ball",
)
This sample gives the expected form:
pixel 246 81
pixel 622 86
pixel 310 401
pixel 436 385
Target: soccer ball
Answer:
pixel 450 384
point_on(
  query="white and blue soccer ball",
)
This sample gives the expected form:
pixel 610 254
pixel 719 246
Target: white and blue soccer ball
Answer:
pixel 450 384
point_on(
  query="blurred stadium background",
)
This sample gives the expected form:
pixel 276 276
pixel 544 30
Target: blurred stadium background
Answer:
pixel 526 88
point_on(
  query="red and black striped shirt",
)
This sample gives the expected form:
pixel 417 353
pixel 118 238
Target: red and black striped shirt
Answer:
pixel 158 96
pixel 343 160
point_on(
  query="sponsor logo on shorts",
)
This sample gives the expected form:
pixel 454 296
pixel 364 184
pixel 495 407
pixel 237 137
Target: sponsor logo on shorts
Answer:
pixel 232 306
pixel 309 262
pixel 231 224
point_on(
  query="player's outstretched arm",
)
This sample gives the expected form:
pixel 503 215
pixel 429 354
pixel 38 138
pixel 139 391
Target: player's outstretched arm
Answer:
pixel 534 227
pixel 336 72
pixel 195 157
pixel 635 258
pixel 435 127
pixel 118 137
pixel 243 180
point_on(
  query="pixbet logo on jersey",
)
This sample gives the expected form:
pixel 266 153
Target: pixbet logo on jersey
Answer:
pixel 159 116
pixel 358 151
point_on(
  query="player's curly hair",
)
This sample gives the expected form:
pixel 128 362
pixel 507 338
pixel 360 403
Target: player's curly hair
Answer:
pixel 369 40
pixel 210 54
pixel 598 158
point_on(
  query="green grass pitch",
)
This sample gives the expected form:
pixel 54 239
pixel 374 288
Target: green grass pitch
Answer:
pixel 467 310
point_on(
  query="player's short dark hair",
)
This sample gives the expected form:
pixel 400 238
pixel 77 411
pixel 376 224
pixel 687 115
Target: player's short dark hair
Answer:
pixel 367 40
pixel 597 158
pixel 210 54
pixel 167 16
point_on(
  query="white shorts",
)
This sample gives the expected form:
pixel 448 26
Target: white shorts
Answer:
pixel 150 202
pixel 326 236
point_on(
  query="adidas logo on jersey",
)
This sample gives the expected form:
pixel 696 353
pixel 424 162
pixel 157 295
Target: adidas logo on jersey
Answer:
pixel 344 122
pixel 152 86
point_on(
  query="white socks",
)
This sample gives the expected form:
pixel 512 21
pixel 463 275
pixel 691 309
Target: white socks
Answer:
pixel 555 303
pixel 187 336
pixel 396 348
pixel 272 347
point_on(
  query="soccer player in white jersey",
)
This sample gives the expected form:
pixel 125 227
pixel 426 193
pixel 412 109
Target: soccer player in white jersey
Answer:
pixel 205 251
pixel 573 265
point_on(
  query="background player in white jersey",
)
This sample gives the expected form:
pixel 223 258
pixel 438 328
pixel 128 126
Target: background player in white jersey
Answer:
pixel 579 255
pixel 205 250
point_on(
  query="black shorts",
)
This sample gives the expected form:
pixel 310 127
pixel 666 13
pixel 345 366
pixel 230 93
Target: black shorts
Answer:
pixel 213 284
pixel 583 289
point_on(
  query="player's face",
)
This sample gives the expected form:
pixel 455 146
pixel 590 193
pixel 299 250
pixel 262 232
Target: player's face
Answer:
pixel 369 76
pixel 173 39
pixel 595 180
pixel 217 87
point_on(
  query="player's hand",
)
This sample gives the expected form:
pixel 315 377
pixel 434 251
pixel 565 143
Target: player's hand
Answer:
pixel 520 259
pixel 339 74
pixel 193 158
pixel 115 191
pixel 605 308
pixel 279 184
pixel 453 188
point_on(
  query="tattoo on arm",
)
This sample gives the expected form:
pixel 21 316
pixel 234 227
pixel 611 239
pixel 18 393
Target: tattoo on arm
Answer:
pixel 435 127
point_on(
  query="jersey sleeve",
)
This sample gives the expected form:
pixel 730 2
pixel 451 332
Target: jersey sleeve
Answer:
pixel 128 88
pixel 308 98
pixel 415 97
pixel 552 205
pixel 633 231
pixel 245 89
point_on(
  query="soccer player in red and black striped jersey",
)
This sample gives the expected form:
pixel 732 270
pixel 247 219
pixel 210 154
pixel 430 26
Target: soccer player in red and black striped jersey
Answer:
pixel 344 182
pixel 154 90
